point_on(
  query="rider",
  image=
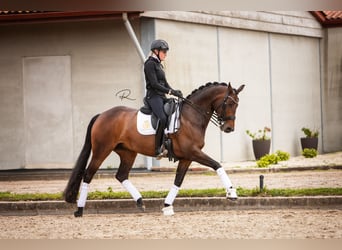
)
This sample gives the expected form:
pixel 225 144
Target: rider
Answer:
pixel 157 87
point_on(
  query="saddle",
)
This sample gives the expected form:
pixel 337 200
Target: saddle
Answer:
pixel 169 108
pixel 147 118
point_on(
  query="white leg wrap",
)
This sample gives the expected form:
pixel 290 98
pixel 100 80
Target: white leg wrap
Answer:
pixel 83 195
pixel 224 178
pixel 131 189
pixel 171 195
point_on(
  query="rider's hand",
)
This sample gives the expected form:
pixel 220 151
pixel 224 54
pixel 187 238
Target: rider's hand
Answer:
pixel 177 93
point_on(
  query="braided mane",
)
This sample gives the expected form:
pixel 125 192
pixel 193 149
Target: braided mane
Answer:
pixel 207 85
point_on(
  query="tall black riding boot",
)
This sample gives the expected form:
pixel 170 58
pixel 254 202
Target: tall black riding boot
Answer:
pixel 159 141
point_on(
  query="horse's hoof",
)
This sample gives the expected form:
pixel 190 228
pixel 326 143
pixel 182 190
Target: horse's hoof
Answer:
pixel 231 194
pixel 168 211
pixel 79 212
pixel 140 205
pixel 141 208
pixel 232 199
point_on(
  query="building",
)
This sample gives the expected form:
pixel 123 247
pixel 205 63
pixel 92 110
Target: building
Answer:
pixel 59 69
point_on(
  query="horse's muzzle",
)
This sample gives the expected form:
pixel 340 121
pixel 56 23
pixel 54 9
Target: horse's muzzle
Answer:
pixel 227 129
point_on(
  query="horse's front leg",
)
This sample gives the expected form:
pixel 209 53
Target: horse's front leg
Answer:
pixel 204 159
pixel 182 168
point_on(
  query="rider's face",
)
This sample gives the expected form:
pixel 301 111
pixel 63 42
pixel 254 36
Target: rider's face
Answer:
pixel 162 55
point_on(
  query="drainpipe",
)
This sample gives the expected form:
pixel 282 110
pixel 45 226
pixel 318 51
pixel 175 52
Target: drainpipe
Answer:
pixel 148 160
pixel 133 37
pixel 219 78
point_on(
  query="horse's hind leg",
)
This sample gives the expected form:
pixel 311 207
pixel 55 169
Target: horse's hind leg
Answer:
pixel 93 166
pixel 127 159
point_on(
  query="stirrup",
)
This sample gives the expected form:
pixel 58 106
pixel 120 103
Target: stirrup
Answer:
pixel 162 154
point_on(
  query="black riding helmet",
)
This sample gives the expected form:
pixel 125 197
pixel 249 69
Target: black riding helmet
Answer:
pixel 159 45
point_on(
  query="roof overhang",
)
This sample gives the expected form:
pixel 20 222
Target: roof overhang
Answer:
pixel 328 18
pixel 10 17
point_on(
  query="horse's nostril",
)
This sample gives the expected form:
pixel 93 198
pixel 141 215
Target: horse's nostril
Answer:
pixel 229 129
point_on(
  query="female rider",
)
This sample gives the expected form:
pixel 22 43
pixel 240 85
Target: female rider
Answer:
pixel 157 88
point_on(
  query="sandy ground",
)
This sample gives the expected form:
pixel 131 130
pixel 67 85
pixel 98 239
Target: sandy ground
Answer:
pixel 247 224
pixel 233 224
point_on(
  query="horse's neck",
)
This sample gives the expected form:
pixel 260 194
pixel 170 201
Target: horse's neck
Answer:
pixel 200 112
pixel 206 98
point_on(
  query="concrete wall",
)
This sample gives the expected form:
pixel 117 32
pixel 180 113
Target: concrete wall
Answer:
pixel 12 143
pixel 295 72
pixel 245 60
pixel 281 73
pixel 276 54
pixel 102 61
pixel 281 22
pixel 332 90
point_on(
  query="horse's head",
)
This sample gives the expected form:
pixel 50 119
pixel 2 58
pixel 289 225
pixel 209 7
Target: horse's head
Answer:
pixel 225 108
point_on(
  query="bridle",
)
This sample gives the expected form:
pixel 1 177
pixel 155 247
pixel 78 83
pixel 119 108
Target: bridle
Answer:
pixel 217 120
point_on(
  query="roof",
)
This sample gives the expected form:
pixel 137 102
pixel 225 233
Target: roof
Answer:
pixel 328 18
pixel 10 16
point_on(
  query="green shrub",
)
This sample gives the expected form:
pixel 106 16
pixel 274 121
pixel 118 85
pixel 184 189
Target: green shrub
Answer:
pixel 269 159
pixel 309 152
pixel 263 162
pixel 283 156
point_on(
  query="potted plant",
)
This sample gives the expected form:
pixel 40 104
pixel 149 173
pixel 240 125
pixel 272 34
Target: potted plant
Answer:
pixel 310 140
pixel 261 142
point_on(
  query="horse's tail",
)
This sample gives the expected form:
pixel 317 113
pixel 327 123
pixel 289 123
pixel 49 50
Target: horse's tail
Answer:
pixel 71 190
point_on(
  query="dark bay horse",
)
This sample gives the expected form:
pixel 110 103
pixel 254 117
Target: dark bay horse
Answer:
pixel 116 130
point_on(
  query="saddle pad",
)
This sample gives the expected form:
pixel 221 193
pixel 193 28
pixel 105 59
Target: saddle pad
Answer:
pixel 144 124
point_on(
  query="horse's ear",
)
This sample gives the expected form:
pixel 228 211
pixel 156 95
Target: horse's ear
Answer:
pixel 240 89
pixel 229 86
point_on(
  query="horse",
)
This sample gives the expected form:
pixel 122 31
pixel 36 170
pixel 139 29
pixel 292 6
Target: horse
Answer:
pixel 116 130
